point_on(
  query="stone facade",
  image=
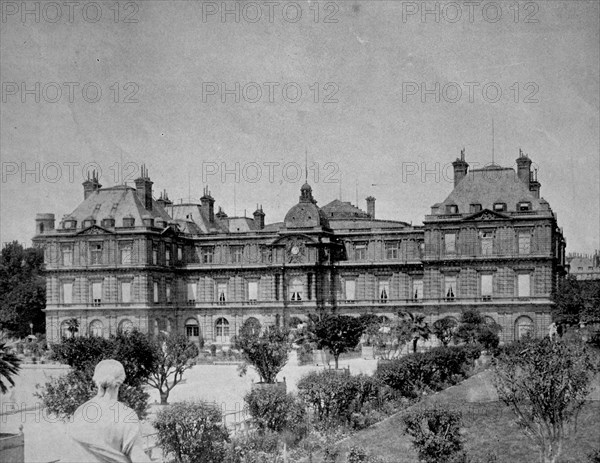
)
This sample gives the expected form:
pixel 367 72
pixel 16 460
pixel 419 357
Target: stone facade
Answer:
pixel 123 260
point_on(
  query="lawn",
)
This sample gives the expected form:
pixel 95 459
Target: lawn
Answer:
pixel 489 427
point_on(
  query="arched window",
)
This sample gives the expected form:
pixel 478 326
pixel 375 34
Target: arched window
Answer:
pixel 221 331
pixel 192 330
pixel 524 328
pixel 96 328
pixel 251 326
pixel 64 330
pixel 156 326
pixel 126 326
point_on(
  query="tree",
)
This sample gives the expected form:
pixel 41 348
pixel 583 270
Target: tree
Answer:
pixel 192 432
pixel 444 329
pixel 72 326
pixel 473 328
pixel 338 333
pixel 576 302
pixel 172 355
pixel 416 325
pixel 545 383
pixel 266 351
pixel 22 290
pixel 9 366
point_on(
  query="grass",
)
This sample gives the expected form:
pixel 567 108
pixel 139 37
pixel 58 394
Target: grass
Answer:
pixel 489 428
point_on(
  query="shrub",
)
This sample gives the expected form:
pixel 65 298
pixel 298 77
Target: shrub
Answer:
pixel 192 432
pixel 435 434
pixel 594 456
pixel 267 352
pixel 338 334
pixel 274 410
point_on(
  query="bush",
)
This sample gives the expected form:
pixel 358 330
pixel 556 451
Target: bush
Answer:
pixel 192 432
pixel 435 434
pixel 267 352
pixel 274 410
pixel 335 397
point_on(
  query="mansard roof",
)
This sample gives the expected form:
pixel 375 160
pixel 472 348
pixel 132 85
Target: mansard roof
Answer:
pixel 488 186
pixel 337 210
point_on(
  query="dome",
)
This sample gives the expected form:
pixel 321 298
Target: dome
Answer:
pixel 306 214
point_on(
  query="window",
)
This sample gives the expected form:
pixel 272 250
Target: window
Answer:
pixel 451 209
pixel 191 292
pixel 450 287
pixel 487 243
pixel 392 250
pixel 207 254
pixel 128 222
pixel 222 292
pixel 417 289
pixel 450 243
pixel 155 292
pixel 360 251
pixel 524 328
pixel 67 293
pixel 524 243
pixel 523 285
pixel 96 293
pixel 64 330
pixel 222 331
pixel 253 290
pixel 384 291
pixel 475 208
pixel 296 290
pixel 108 223
pixel 179 253
pixel 96 253
pixel 192 330
pixel 88 223
pixel 70 224
pixel 154 254
pixel 167 254
pixel 126 326
pixel 277 286
pixel 499 207
pixel 309 280
pixel 237 253
pixel 168 293
pixel 125 252
pixel 96 328
pixel 126 291
pixel 486 287
pixel 67 255
pixel 523 206
pixel 350 290
pixel 251 326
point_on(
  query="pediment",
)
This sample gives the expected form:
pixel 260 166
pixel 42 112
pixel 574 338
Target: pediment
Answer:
pixel 95 230
pixel 487 214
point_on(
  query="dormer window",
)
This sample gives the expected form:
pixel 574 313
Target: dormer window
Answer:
pixel 108 223
pixel 523 206
pixel 128 222
pixel 70 223
pixel 451 209
pixel 88 223
pixel 499 207
pixel 475 208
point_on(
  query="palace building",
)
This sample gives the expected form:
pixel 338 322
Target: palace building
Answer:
pixel 123 259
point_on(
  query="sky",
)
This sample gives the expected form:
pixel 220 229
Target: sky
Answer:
pixel 376 98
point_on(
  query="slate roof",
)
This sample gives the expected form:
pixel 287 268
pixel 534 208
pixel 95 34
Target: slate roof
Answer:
pixel 337 209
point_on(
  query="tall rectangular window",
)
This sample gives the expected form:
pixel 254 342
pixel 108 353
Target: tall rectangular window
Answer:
pixel 191 292
pixel 360 251
pixel 487 243
pixel 67 293
pixel 392 250
pixel 155 292
pixel 207 254
pixel 179 253
pixel 384 290
pixel 486 286
pixel 350 290
pixel 125 252
pixel 237 253
pixel 450 243
pixel 524 243
pixel 253 290
pixel 168 293
pixel 67 255
pixel 96 293
pixel 450 287
pixel 524 285
pixel 167 254
pixel 154 254
pixel 296 290
pixel 417 289
pixel 222 292
pixel 277 287
pixel 96 253
pixel 125 291
pixel 309 285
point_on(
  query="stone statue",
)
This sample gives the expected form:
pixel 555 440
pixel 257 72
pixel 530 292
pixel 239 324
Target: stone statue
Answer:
pixel 108 430
pixel 552 330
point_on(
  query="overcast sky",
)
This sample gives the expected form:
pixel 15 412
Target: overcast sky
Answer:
pixel 170 74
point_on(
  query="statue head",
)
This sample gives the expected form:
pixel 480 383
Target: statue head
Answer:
pixel 108 374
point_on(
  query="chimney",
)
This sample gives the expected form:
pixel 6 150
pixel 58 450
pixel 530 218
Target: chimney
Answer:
pixel 221 214
pixel 460 168
pixel 523 168
pixel 164 200
pixel 534 185
pixel 44 223
pixel 91 185
pixel 259 217
pixel 208 204
pixel 371 206
pixel 143 185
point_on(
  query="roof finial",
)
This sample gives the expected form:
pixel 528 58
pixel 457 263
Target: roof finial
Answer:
pixel 462 154
pixel 305 165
